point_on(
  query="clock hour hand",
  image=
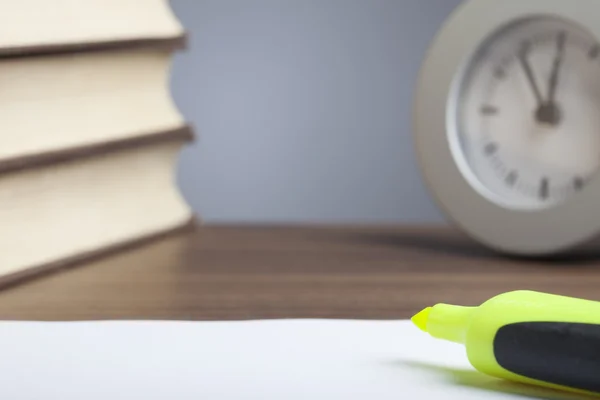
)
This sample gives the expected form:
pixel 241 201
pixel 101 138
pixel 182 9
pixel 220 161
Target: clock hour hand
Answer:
pixel 547 112
pixel 529 73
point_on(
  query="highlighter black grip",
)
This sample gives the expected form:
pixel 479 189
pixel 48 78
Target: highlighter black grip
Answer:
pixel 560 353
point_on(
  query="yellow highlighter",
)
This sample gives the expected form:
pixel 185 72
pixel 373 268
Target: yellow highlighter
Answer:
pixel 524 336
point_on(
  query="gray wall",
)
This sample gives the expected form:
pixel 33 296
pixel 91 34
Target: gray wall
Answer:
pixel 303 109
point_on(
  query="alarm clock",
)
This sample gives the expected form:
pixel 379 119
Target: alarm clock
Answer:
pixel 507 123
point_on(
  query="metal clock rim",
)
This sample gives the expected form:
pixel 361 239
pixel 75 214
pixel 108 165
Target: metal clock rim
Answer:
pixel 525 232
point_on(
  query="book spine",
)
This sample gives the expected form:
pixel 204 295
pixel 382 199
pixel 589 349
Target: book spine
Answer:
pixel 39 271
pixel 166 44
pixel 184 134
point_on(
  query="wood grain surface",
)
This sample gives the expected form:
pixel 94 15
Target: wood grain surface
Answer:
pixel 233 273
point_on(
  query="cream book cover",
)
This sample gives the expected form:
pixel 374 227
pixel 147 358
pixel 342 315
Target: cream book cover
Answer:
pixel 31 24
pixel 57 210
pixel 60 101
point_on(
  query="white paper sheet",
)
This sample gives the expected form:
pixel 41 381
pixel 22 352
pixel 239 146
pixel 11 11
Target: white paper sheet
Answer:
pixel 290 359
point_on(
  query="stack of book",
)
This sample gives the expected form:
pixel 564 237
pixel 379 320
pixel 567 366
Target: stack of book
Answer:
pixel 89 132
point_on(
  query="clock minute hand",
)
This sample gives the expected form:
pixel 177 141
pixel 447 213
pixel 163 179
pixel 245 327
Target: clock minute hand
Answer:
pixel 529 73
pixel 553 82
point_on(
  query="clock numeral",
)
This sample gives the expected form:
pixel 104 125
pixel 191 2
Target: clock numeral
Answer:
pixel 544 188
pixel 490 148
pixel 488 110
pixel 594 52
pixel 578 183
pixel 511 178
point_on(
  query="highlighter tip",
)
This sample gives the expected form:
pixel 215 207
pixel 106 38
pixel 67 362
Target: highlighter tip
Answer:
pixel 420 319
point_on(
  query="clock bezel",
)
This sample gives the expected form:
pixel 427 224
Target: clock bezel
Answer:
pixel 517 231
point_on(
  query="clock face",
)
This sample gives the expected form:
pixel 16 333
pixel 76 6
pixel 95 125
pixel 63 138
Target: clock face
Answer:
pixel 524 117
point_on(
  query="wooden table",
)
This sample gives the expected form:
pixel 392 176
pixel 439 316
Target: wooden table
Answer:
pixel 224 273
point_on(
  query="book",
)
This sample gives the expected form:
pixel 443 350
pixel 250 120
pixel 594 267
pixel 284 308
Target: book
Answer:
pixel 66 100
pixel 65 206
pixel 218 360
pixel 43 26
pixel 89 132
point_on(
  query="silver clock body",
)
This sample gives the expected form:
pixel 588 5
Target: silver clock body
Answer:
pixel 507 123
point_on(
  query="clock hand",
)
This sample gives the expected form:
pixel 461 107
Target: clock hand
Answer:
pixel 553 83
pixel 529 73
pixel 549 112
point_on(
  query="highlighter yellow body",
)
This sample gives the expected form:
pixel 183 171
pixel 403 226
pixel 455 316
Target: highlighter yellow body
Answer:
pixel 524 336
